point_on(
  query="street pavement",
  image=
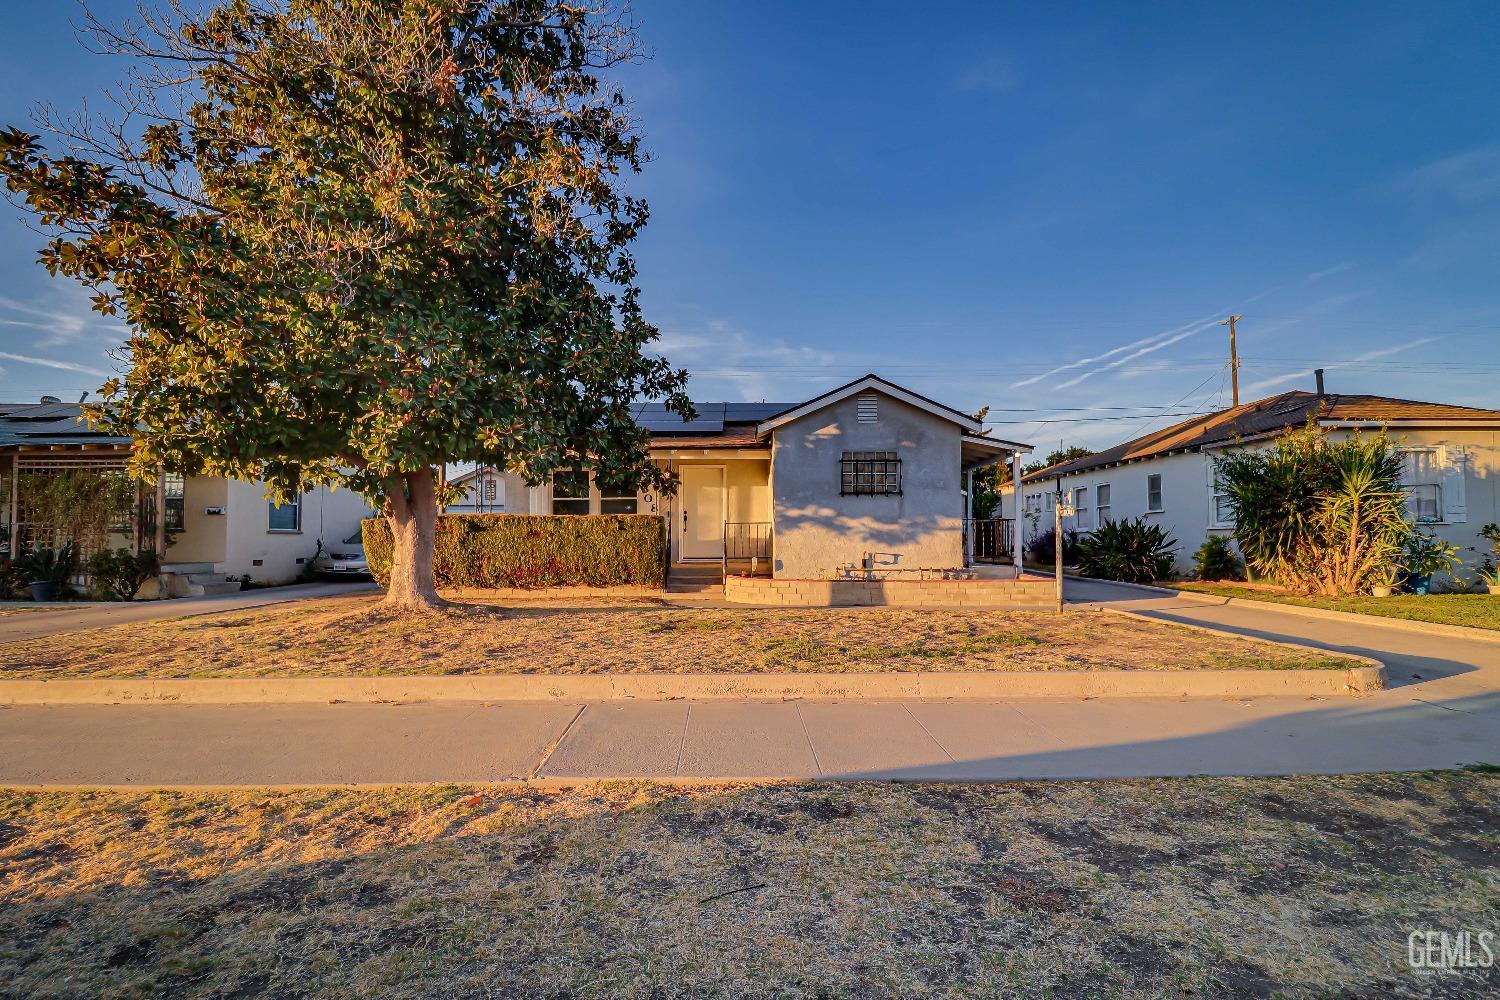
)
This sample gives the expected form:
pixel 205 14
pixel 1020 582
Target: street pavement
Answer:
pixel 1443 710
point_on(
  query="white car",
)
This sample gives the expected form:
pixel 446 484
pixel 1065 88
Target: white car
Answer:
pixel 346 558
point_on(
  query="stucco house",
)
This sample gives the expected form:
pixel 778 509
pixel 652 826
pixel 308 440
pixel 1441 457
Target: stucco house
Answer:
pixel 1451 463
pixel 868 477
pixel 219 528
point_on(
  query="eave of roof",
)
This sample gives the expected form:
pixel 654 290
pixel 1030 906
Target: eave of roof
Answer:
pixel 861 384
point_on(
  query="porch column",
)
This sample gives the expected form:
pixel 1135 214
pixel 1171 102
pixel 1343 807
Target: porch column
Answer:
pixel 15 505
pixel 161 515
pixel 969 519
pixel 1015 492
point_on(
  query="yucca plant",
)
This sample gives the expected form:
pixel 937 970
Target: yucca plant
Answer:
pixel 1318 516
pixel 1131 551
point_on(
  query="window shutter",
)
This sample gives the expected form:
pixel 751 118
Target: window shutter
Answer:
pixel 1455 460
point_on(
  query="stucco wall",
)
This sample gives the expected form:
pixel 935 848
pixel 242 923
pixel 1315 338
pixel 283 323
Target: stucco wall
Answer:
pixel 204 536
pixel 817 530
pixel 329 514
pixel 1187 482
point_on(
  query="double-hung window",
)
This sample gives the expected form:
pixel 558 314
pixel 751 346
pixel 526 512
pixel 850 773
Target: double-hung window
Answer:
pixel 174 492
pixel 870 473
pixel 570 491
pixel 1153 493
pixel 1101 503
pixel 1220 510
pixel 285 516
pixel 1421 479
pixel 1081 508
pixel 616 499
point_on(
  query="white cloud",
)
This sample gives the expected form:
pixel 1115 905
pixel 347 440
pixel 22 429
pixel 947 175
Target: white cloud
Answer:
pixel 1150 348
pixel 1470 176
pixel 63 366
pixel 1307 373
pixel 62 314
pixel 1327 271
pixel 1192 327
pixel 725 363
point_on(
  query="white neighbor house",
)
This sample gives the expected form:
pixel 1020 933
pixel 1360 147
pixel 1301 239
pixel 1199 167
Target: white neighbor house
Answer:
pixel 1451 469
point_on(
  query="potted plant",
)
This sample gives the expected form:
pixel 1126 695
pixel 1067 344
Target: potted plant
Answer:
pixel 1383 582
pixel 46 570
pixel 1489 573
pixel 1423 555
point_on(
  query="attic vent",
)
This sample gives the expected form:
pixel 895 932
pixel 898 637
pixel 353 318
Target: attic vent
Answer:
pixel 869 411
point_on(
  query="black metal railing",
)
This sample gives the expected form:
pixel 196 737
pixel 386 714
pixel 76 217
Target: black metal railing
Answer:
pixel 989 539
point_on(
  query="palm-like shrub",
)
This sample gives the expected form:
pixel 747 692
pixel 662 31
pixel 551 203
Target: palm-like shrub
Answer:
pixel 1131 551
pixel 1318 516
pixel 1217 560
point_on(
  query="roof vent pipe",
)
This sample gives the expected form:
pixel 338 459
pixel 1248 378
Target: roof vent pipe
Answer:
pixel 1318 374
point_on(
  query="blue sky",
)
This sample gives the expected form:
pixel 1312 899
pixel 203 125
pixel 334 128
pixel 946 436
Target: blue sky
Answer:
pixel 1041 208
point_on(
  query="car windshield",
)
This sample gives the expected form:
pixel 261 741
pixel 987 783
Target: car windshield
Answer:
pixel 355 539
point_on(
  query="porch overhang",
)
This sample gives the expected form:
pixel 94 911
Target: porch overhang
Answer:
pixel 979 451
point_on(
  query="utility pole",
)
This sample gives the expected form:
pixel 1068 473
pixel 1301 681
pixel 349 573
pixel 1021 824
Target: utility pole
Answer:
pixel 1234 358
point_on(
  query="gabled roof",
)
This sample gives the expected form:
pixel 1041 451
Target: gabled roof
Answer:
pixel 1273 415
pixel 869 382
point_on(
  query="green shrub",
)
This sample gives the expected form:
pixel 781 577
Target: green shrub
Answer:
pixel 1042 548
pixel 1131 551
pixel 45 564
pixel 1318 515
pixel 117 574
pixel 1217 560
pixel 535 550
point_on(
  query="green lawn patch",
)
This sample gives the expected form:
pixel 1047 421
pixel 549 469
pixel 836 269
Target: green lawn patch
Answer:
pixel 1472 610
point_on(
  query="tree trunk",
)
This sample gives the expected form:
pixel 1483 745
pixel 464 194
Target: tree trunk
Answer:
pixel 413 520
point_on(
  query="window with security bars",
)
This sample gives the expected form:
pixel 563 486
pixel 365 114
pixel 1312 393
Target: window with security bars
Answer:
pixel 870 473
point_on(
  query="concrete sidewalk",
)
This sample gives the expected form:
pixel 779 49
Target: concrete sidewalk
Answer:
pixel 34 623
pixel 251 745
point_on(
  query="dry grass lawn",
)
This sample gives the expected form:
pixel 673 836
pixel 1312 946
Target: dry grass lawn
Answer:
pixel 357 636
pixel 1149 888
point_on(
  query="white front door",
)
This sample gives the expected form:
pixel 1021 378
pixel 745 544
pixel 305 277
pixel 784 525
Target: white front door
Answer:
pixel 700 525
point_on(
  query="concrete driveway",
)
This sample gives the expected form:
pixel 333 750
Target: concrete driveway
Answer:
pixel 33 623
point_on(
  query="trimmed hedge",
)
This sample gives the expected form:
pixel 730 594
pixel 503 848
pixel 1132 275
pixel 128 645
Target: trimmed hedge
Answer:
pixel 536 550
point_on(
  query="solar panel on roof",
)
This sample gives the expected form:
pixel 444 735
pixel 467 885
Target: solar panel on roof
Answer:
pixel 753 412
pixel 656 418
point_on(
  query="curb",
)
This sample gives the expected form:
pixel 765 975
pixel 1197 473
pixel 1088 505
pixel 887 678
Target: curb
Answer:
pixel 1398 624
pixel 989 685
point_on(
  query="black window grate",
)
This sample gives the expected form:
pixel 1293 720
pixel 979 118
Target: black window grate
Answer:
pixel 870 473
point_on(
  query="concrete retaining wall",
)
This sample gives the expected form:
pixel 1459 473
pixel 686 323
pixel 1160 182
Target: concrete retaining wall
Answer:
pixel 902 593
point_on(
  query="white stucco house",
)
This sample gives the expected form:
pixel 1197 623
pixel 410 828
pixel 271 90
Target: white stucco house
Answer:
pixel 220 529
pixel 868 476
pixel 1451 468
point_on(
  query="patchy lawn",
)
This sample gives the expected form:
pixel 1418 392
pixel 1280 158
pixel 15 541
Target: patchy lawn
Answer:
pixel 358 636
pixel 1149 888
pixel 1473 610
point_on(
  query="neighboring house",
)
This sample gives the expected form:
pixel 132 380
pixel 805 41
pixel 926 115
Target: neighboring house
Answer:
pixel 1451 458
pixel 483 492
pixel 220 528
pixel 868 475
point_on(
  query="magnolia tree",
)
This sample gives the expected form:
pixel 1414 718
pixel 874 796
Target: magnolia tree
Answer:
pixel 355 241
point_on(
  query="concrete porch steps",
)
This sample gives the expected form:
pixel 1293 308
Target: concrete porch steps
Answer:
pixel 695 579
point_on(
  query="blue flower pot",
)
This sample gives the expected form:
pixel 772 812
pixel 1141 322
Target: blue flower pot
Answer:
pixel 1419 584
